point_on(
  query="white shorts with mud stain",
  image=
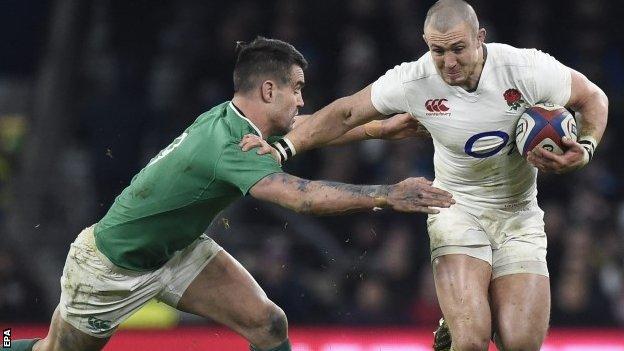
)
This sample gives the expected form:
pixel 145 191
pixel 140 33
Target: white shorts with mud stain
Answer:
pixel 96 295
pixel 511 240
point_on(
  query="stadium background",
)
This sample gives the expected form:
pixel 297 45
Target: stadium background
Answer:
pixel 90 90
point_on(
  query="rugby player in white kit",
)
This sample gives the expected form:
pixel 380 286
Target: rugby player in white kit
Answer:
pixel 488 250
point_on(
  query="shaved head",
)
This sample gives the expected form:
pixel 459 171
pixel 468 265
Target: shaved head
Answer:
pixel 456 42
pixel 446 14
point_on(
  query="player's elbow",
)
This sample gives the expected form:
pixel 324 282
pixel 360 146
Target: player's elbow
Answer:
pixel 604 103
pixel 354 113
pixel 593 105
pixel 344 109
pixel 600 104
pixel 599 99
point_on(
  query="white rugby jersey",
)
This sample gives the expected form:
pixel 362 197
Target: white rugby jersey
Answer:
pixel 473 133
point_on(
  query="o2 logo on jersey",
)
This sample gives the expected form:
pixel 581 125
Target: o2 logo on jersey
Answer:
pixel 487 144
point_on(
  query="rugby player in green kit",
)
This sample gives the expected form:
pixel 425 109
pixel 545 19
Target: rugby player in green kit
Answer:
pixel 150 243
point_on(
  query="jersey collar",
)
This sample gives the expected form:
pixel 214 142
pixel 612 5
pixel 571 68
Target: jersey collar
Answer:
pixel 240 114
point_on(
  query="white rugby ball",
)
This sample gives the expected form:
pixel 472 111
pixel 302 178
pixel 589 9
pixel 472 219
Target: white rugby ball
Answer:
pixel 543 125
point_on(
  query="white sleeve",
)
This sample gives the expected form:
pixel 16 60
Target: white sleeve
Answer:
pixel 387 93
pixel 553 80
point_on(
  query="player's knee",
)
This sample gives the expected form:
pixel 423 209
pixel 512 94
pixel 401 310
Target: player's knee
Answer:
pixel 268 323
pixel 470 343
pixel 470 335
pixel 519 342
pixel 278 324
pixel 520 337
pixel 470 339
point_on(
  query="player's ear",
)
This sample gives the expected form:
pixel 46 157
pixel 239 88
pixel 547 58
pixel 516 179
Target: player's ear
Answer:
pixel 481 36
pixel 268 91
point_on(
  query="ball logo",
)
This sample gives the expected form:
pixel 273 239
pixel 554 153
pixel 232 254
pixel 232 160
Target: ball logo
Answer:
pixel 522 127
pixel 571 127
pixel 437 107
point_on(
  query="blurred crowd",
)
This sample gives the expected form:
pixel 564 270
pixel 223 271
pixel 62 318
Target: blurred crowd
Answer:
pixel 133 74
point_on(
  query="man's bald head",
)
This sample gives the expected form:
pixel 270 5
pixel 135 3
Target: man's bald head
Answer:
pixel 456 42
pixel 446 14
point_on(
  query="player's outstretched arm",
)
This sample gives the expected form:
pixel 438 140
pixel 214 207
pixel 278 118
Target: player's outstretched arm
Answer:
pixel 334 120
pixel 399 126
pixel 332 198
pixel 593 105
pixel 394 128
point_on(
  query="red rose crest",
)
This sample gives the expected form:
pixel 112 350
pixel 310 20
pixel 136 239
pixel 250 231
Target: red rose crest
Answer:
pixel 513 98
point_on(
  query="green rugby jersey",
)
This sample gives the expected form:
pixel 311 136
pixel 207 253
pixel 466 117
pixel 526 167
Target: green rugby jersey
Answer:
pixel 171 201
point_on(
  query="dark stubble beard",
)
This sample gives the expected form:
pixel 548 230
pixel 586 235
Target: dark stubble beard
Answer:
pixel 283 130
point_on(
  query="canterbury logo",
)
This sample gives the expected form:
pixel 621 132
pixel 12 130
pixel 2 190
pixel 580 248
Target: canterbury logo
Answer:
pixel 98 325
pixel 436 105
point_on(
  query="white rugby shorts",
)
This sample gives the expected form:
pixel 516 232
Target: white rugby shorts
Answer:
pixel 511 240
pixel 96 295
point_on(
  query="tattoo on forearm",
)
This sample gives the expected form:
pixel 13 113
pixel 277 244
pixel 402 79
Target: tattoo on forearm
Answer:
pixel 321 187
pixel 305 185
pixel 356 190
pixel 302 184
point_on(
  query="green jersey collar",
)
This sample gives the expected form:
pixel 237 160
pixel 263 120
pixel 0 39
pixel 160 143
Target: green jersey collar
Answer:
pixel 231 105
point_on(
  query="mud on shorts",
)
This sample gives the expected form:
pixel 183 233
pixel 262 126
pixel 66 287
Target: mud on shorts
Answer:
pixel 511 240
pixel 96 295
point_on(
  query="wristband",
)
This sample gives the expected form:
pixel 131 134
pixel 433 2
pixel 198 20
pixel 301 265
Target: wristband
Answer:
pixel 380 202
pixel 373 129
pixel 285 148
pixel 589 144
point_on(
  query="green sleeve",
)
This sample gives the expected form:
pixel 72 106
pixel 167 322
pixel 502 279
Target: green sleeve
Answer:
pixel 243 169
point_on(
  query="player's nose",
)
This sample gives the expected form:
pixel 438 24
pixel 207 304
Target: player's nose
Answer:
pixel 449 60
